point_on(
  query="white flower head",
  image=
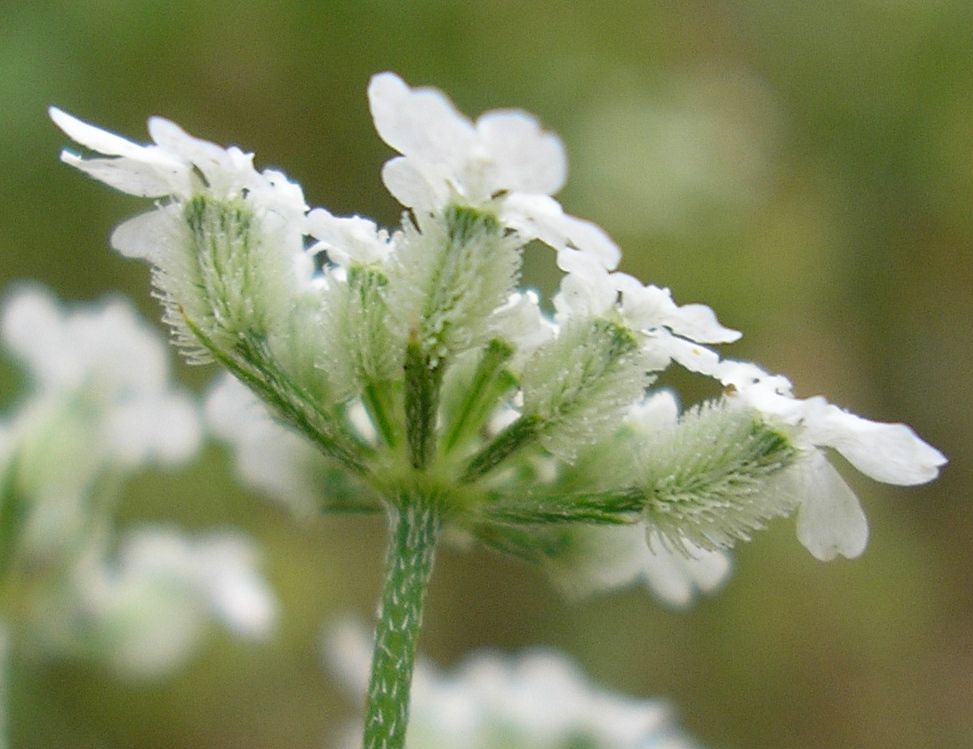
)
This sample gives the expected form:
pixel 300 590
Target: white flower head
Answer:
pixel 504 160
pixel 226 242
pixel 176 164
pixel 670 332
pixel 109 359
pixel 830 520
pixel 537 700
pixel 148 608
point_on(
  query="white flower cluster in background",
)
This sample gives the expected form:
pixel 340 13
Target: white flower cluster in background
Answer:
pixel 101 407
pixel 145 609
pixel 412 363
pixel 537 700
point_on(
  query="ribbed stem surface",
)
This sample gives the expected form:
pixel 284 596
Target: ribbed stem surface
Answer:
pixel 416 525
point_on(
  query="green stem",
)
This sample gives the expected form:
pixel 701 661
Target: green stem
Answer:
pixel 522 432
pixel 375 398
pixel 613 507
pixel 415 529
pixel 422 385
pixel 490 382
pixel 300 410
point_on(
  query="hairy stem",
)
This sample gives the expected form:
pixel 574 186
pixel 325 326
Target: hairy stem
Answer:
pixel 423 380
pixel 415 529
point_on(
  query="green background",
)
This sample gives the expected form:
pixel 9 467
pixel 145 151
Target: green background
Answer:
pixel 805 168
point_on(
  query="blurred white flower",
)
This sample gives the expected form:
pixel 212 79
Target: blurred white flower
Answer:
pixel 101 407
pixel 108 364
pixel 830 520
pixel 146 610
pixel 504 160
pixel 606 558
pixel 537 700
pixel 267 455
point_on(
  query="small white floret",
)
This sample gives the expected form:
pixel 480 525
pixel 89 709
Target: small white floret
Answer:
pixel 504 160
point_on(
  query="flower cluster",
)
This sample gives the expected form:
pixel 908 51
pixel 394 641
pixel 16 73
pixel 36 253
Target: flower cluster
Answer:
pixel 101 408
pixel 412 361
pixel 144 609
pixel 415 376
pixel 537 700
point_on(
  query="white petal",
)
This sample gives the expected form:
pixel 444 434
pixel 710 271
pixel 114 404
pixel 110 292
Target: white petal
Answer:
pixel 541 217
pixel 692 356
pixel 647 306
pixel 521 321
pixel 420 122
pixel 891 453
pixel 769 394
pixel 830 520
pixel 660 410
pixel 145 235
pixel 412 187
pixel 587 289
pixel 698 323
pixel 124 174
pixel 224 169
pixel 525 157
pixel 591 238
pixel 676 578
pixel 347 237
pixel 644 306
pixel 578 263
pixel 95 138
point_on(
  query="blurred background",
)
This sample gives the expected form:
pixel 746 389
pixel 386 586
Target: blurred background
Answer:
pixel 804 168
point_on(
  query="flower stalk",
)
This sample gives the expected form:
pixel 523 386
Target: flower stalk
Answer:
pixel 416 523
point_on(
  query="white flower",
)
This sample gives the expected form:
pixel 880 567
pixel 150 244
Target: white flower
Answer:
pixel 166 168
pixel 108 359
pixel 830 520
pixel 177 166
pixel 266 455
pixel 612 557
pixel 670 332
pixel 228 242
pixel 348 239
pixel 504 161
pixel 537 700
pixel 147 609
